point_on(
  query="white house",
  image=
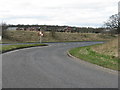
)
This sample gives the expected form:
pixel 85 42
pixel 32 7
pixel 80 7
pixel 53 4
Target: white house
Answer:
pixel 12 28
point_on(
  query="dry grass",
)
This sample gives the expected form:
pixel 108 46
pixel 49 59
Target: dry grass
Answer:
pixel 109 48
pixel 27 36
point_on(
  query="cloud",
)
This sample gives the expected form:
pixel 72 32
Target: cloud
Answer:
pixel 57 12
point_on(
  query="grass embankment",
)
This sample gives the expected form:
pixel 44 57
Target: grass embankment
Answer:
pixel 30 36
pixel 6 48
pixel 105 55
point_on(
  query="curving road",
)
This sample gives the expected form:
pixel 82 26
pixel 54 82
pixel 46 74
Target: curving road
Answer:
pixel 50 67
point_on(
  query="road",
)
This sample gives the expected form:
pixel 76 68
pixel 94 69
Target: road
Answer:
pixel 51 67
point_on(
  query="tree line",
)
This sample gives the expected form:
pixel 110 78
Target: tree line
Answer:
pixel 58 28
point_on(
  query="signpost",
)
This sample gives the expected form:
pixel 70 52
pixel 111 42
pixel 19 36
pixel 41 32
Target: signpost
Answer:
pixel 40 34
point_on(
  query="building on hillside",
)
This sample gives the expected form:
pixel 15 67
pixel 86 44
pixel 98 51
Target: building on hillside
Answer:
pixel 29 28
pixel 12 28
pixel 67 29
pixel 20 28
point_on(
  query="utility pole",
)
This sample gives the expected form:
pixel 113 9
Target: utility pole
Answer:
pixel 118 15
pixel 118 7
pixel 119 31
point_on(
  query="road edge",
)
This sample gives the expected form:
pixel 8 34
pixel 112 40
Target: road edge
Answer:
pixel 15 50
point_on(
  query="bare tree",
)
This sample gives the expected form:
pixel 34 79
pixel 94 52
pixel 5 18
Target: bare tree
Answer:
pixel 112 23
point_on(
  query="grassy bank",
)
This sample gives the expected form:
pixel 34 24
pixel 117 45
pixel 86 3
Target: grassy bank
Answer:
pixel 30 36
pixel 94 54
pixel 6 48
pixel 110 48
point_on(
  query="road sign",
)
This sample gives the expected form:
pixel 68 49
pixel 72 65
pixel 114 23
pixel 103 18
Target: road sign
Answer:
pixel 40 34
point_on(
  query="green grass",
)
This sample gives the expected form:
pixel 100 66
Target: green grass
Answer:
pixel 87 54
pixel 6 48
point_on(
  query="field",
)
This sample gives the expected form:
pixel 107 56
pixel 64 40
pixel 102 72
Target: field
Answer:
pixel 27 36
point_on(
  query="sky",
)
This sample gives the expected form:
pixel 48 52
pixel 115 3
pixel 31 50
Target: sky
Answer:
pixel 80 13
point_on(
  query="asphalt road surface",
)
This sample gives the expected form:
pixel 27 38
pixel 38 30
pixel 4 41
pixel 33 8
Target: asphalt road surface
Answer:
pixel 51 67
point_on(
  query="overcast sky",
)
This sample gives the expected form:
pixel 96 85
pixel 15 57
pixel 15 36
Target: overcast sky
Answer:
pixel 90 13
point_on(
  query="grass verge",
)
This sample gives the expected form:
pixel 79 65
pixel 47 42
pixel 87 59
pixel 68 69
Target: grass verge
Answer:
pixel 86 53
pixel 6 48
